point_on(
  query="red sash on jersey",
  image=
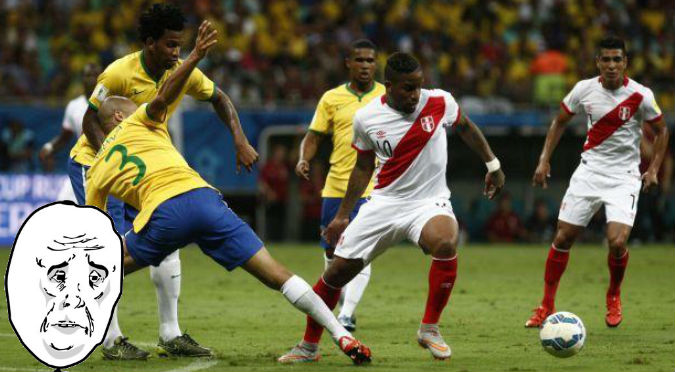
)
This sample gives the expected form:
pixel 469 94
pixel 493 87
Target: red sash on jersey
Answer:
pixel 608 124
pixel 413 142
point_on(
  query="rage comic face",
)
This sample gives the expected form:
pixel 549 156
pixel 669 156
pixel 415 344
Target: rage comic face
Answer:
pixel 63 281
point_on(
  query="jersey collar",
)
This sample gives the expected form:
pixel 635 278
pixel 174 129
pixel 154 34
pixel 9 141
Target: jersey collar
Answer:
pixel 360 96
pixel 625 80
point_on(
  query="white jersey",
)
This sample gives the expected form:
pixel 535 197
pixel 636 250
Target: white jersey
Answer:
pixel 411 148
pixel 614 122
pixel 72 119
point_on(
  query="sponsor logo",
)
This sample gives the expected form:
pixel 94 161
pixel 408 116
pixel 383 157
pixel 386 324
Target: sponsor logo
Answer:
pixel 428 123
pixel 381 134
pixel 136 91
pixel 101 92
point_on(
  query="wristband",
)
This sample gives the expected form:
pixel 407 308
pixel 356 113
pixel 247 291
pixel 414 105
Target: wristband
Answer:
pixel 493 165
pixel 49 147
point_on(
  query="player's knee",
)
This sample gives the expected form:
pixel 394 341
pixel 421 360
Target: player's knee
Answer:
pixel 617 245
pixel 563 240
pixel 445 248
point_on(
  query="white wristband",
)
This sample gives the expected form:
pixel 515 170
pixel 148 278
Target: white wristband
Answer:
pixel 493 165
pixel 49 147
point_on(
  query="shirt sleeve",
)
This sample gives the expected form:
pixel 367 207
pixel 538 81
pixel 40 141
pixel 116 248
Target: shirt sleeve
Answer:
pixel 361 142
pixel 200 87
pixel 571 101
pixel 109 83
pixel 322 121
pixel 68 118
pixel 452 111
pixel 141 115
pixel 651 110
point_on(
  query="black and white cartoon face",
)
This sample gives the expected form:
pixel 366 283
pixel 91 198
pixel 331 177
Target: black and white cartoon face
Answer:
pixel 63 281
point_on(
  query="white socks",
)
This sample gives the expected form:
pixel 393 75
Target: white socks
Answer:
pixel 353 292
pixel 114 331
pixel 302 296
pixel 166 278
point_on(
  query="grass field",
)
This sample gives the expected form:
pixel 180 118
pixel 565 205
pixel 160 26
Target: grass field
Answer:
pixel 249 326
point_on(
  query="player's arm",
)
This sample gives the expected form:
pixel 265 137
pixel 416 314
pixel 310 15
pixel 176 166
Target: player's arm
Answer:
pixel 358 181
pixel 91 127
pixel 473 137
pixel 308 148
pixel 245 153
pixel 56 143
pixel 95 196
pixel 553 135
pixel 170 90
pixel 650 177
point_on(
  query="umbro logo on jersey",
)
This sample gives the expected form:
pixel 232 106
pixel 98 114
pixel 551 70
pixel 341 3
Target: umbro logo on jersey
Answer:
pixel 624 113
pixel 428 123
pixel 381 134
pixel 135 91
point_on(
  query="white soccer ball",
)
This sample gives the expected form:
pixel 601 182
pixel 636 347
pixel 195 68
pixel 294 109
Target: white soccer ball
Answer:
pixel 562 334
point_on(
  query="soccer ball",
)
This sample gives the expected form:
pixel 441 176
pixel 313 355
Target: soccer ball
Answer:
pixel 562 334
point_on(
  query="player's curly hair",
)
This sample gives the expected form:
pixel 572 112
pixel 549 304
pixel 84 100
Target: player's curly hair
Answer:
pixel 400 63
pixel 160 17
pixel 612 42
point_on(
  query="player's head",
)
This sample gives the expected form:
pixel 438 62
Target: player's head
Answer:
pixel 361 62
pixel 114 110
pixel 611 60
pixel 403 79
pixel 90 73
pixel 161 28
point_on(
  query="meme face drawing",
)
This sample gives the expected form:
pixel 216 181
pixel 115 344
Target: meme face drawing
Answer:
pixel 63 281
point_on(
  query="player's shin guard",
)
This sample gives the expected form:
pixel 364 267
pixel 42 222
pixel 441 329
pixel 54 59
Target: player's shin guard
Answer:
pixel 166 278
pixel 555 267
pixel 442 276
pixel 114 331
pixel 353 292
pixel 319 315
pixel 617 268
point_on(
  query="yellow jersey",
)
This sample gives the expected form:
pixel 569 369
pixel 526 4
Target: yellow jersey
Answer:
pixel 333 116
pixel 128 77
pixel 138 164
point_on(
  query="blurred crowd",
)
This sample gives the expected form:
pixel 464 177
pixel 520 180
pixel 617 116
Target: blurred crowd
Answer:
pixel 501 53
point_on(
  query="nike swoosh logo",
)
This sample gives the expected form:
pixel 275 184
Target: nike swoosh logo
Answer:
pixel 175 276
pixel 135 92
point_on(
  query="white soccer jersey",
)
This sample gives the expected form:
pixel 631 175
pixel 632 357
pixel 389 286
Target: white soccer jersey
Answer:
pixel 72 119
pixel 411 148
pixel 614 122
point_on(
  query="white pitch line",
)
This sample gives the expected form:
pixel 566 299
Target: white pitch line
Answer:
pixel 11 369
pixel 197 365
pixel 7 335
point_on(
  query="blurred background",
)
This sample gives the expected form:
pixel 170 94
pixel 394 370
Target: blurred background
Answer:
pixel 509 64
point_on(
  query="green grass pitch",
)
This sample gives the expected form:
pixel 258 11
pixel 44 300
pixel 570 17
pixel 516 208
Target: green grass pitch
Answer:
pixel 249 326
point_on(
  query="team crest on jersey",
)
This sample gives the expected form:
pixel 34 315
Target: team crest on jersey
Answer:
pixel 428 123
pixel 624 113
pixel 381 134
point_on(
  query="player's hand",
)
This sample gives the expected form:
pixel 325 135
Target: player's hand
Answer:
pixel 541 175
pixel 206 38
pixel 649 180
pixel 302 169
pixel 246 156
pixel 334 230
pixel 45 152
pixel 494 182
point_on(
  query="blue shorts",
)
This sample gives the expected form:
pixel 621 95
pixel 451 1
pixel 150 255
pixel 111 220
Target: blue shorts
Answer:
pixel 329 208
pixel 115 207
pixel 198 216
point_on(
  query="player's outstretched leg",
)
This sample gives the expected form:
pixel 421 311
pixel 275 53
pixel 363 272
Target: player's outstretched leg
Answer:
pixel 439 238
pixel 617 260
pixel 117 347
pixel 558 255
pixel 300 294
pixel 352 294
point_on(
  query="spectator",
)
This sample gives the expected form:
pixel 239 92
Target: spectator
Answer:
pixel 504 225
pixel 273 185
pixel 19 145
pixel 541 225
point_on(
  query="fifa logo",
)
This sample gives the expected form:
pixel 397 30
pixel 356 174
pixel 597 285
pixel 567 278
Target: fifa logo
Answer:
pixel 624 113
pixel 428 123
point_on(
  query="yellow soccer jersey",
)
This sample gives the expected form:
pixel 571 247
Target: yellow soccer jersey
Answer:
pixel 138 164
pixel 128 77
pixel 333 116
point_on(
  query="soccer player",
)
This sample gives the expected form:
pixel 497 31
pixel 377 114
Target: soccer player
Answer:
pixel 138 76
pixel 72 123
pixel 139 165
pixel 615 106
pixel 333 117
pixel 405 130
